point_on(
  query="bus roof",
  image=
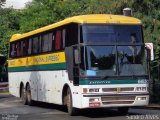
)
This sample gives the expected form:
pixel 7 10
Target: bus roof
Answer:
pixel 82 19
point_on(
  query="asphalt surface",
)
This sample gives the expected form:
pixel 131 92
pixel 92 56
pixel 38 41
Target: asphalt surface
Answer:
pixel 11 108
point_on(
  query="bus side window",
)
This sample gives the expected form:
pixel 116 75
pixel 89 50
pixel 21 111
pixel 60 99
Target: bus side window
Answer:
pixel 50 40
pixel 25 47
pixel 58 40
pixel 18 49
pixel 29 46
pixel 21 49
pixel 53 41
pixel 71 35
pixel 64 37
pixel 12 50
pixel 35 45
pixel 40 43
pixel 47 42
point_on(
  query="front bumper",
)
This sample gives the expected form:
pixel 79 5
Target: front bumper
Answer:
pixel 114 100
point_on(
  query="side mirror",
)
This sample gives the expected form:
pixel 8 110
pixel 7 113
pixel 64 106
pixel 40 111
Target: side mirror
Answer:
pixel 77 57
pixel 150 51
pixel 148 54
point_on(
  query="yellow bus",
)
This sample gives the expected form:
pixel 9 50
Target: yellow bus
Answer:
pixel 86 61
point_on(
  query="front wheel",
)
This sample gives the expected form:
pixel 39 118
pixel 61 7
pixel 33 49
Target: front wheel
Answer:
pixel 71 110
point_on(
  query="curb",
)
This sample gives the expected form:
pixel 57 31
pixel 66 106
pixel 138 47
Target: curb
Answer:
pixel 4 93
pixel 4 87
pixel 2 90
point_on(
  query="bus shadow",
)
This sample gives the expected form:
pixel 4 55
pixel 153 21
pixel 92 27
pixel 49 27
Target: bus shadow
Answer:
pixel 90 113
pixel 50 106
pixel 101 113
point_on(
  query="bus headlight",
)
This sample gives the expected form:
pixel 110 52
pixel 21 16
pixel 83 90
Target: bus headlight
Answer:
pixel 144 89
pixel 141 89
pixel 91 90
pixel 141 98
pixel 93 99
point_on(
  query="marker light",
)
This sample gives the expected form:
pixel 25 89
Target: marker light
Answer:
pixel 85 90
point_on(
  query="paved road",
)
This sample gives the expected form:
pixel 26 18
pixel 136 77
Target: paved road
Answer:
pixel 12 108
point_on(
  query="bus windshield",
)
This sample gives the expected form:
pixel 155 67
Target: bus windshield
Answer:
pixel 113 61
pixel 111 34
pixel 121 51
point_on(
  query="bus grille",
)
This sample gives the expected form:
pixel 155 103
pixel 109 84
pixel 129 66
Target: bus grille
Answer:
pixel 117 100
pixel 118 89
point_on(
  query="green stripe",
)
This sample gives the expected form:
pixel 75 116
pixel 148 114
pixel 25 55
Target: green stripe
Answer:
pixel 38 67
pixel 105 82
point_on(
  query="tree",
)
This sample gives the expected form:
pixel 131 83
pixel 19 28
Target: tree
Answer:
pixel 2 2
pixel 9 23
pixel 39 13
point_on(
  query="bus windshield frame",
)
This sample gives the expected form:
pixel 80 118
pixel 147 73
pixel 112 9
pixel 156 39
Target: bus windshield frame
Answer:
pixel 126 57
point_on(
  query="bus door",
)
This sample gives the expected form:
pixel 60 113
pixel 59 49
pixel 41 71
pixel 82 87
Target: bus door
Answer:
pixel 73 61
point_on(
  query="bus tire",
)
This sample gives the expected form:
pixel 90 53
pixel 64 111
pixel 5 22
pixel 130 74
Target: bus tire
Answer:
pixel 23 95
pixel 71 110
pixel 123 110
pixel 29 97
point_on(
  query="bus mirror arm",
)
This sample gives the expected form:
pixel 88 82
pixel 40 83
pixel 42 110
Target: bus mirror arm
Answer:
pixel 148 57
pixel 148 54
pixel 77 57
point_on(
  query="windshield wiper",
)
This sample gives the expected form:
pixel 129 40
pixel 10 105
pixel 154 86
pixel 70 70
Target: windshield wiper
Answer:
pixel 105 77
pixel 134 76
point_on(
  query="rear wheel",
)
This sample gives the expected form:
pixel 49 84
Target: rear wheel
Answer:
pixel 71 110
pixel 29 97
pixel 23 95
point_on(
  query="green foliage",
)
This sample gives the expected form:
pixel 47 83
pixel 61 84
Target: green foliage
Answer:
pixel 9 23
pixel 43 12
pixel 2 3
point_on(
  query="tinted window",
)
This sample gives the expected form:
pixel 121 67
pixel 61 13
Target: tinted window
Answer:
pixel 50 40
pixel 112 33
pixel 58 40
pixel 101 61
pixel 21 48
pixel 71 35
pixel 47 42
pixel 99 33
pixel 131 60
pixel 35 45
pixel 12 50
pixel 30 46
pixel 25 47
pixel 18 52
pixel 64 37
